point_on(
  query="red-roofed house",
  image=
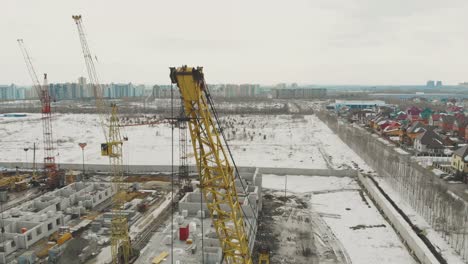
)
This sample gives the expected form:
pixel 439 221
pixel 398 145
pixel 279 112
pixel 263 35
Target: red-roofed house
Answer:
pixel 434 120
pixel 413 111
pixel 392 129
pixel 459 126
pixel 454 109
pixel 401 116
pixel 446 122
pixel 382 124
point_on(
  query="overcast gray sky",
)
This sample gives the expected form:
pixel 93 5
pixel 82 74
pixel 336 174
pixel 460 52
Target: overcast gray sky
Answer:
pixel 267 41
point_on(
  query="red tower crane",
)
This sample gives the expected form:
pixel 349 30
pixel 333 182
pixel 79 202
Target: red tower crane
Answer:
pixel 50 167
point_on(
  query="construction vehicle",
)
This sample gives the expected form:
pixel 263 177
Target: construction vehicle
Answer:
pixel 142 206
pixel 112 147
pixel 217 175
pixel 50 167
pixel 264 255
pixel 13 183
pixel 160 258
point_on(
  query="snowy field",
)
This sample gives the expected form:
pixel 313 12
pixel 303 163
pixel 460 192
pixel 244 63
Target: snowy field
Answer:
pixel 353 219
pixel 256 140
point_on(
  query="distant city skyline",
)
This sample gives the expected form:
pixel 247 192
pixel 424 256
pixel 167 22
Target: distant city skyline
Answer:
pixel 362 42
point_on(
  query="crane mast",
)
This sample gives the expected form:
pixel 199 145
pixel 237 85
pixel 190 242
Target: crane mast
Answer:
pixel 217 178
pixel 50 167
pixel 120 240
pixel 183 175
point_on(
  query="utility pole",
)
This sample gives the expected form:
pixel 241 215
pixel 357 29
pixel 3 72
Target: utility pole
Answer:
pixel 285 187
pixel 26 152
pixel 82 146
pixel 34 158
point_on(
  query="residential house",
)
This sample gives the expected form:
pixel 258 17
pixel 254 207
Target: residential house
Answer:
pixel 425 115
pixel 454 109
pixel 460 163
pixel 466 133
pixel 446 123
pixel 392 130
pixel 385 111
pixel 371 121
pixel 459 125
pixel 434 120
pixel 359 115
pixel 449 142
pixel 401 117
pixel 429 142
pixel 418 99
pixel 409 133
pixel 413 113
pixel 374 123
pixel 382 124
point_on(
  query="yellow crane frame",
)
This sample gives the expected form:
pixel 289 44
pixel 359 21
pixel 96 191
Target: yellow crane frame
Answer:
pixel 120 240
pixel 216 173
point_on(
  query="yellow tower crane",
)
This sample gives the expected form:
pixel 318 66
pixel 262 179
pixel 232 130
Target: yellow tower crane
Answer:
pixel 217 177
pixel 120 240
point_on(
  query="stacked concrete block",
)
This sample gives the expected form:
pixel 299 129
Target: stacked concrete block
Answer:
pixel 31 221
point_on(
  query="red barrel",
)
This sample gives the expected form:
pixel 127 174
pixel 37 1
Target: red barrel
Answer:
pixel 183 233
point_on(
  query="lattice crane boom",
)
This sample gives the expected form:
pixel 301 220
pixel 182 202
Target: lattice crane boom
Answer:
pixel 50 167
pixel 93 76
pixel 120 240
pixel 217 178
pixel 30 67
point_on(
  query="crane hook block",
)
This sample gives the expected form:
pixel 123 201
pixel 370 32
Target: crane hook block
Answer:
pixel 172 75
pixel 104 149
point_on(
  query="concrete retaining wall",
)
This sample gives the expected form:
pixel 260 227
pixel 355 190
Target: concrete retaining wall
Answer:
pixel 168 169
pixel 311 172
pixel 415 244
pixel 96 167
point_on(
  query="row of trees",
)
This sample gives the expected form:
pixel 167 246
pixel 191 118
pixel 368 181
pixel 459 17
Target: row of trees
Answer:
pixel 419 187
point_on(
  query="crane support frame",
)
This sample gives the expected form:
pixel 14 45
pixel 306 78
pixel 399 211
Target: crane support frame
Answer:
pixel 121 249
pixel 50 166
pixel 217 178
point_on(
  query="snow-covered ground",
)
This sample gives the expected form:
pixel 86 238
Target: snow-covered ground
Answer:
pixel 441 245
pixel 363 233
pixel 299 184
pixel 256 140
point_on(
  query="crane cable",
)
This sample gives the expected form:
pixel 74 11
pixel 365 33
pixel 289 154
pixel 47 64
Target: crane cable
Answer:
pixel 237 174
pixel 172 174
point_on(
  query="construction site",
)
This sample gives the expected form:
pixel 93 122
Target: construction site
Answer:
pixel 54 213
pixel 196 182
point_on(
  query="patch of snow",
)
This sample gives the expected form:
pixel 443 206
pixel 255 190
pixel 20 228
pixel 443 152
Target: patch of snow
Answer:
pixel 438 172
pixel 447 252
pixel 268 141
pixel 401 151
pixel 304 184
pixel 364 245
